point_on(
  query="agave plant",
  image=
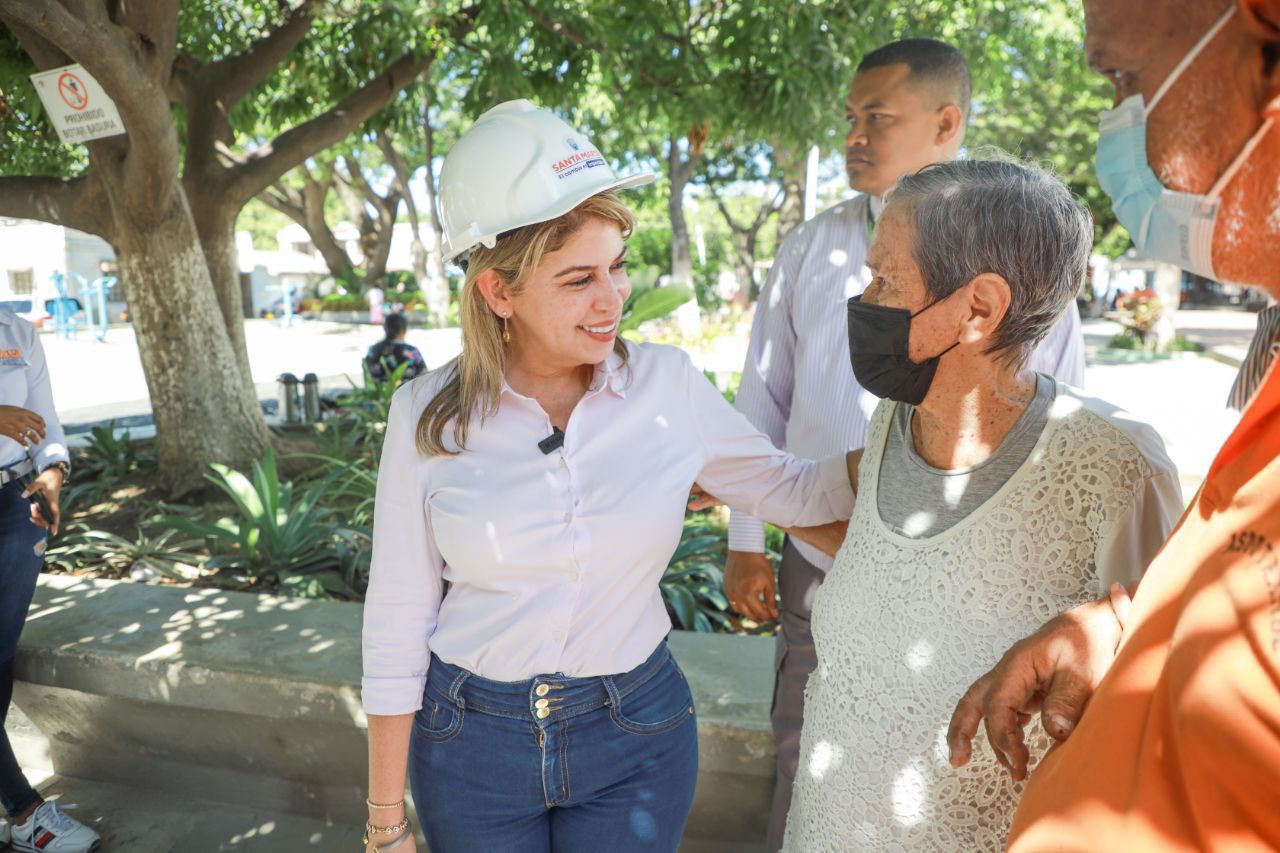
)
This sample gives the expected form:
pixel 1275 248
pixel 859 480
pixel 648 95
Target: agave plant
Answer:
pixel 110 457
pixel 693 584
pixel 290 541
pixel 162 553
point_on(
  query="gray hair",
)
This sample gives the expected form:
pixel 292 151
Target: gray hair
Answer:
pixel 998 216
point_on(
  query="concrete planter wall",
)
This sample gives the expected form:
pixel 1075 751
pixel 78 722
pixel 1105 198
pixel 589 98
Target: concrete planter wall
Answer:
pixel 255 700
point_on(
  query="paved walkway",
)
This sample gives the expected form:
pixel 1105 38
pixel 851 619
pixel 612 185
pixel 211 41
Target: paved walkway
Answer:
pixel 1224 334
pixel 1183 396
pixel 94 382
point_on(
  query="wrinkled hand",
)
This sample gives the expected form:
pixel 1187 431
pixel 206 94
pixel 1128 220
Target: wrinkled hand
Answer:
pixel 700 500
pixel 1054 671
pixel 49 484
pixel 22 425
pixel 749 584
pixel 827 538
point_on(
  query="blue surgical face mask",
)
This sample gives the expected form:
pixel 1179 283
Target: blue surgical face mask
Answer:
pixel 1165 225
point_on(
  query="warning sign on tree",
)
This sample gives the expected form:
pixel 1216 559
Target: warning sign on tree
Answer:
pixel 78 106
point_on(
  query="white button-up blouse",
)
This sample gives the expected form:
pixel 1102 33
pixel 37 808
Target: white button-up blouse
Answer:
pixel 24 382
pixel 553 560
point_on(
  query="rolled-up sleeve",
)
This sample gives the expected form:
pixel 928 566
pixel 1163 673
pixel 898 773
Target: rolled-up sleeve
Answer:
pixel 744 469
pixel 406 575
pixel 40 400
pixel 768 376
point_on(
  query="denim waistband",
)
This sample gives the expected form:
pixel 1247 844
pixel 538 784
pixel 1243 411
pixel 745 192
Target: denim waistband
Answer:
pixel 559 696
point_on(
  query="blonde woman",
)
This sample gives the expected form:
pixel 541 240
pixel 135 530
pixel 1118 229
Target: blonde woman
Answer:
pixel 530 495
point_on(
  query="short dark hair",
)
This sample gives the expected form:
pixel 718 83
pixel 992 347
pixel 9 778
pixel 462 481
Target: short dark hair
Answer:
pixel 394 325
pixel 933 63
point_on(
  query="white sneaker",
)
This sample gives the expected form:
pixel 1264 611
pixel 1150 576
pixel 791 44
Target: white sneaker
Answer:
pixel 49 830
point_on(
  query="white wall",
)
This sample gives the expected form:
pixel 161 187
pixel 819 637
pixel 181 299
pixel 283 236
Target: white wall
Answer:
pixel 43 249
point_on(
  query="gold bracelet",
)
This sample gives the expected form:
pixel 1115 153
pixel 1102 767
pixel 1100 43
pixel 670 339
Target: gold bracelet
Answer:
pixel 392 845
pixel 370 829
pixel 374 805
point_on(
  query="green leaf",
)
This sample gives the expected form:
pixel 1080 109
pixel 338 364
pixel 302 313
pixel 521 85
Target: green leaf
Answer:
pixel 653 304
pixel 682 603
pixel 238 487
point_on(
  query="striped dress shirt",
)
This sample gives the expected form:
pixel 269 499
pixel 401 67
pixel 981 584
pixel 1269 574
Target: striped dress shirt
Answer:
pixel 1258 360
pixel 797 386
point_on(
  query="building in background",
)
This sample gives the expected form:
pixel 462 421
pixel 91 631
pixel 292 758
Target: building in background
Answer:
pixel 31 252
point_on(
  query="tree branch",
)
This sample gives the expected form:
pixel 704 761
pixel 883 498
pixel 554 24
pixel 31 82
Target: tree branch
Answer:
pixel 402 175
pixel 71 202
pixel 268 163
pixel 724 211
pixel 343 184
pixel 429 156
pixel 147 163
pixel 286 200
pixel 232 77
pixel 306 207
pixel 357 179
pixel 559 29
pixel 151 26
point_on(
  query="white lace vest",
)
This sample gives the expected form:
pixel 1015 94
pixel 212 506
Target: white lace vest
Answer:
pixel 903 627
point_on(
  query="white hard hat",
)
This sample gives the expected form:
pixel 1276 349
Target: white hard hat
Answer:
pixel 515 166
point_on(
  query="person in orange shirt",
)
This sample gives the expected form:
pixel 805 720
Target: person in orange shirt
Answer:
pixel 1168 706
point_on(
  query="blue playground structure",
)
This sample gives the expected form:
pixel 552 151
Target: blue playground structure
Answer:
pixel 96 305
pixel 286 289
pixel 64 308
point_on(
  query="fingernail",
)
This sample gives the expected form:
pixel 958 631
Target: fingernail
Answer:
pixel 1061 723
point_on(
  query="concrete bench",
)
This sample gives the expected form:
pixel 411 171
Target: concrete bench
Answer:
pixel 254 700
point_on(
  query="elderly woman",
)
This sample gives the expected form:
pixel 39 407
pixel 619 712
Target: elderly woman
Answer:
pixel 530 495
pixel 989 499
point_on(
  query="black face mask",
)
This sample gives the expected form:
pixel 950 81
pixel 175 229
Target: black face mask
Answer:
pixel 878 351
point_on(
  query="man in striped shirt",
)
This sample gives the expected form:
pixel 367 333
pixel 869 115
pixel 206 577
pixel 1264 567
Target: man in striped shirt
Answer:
pixel 906 110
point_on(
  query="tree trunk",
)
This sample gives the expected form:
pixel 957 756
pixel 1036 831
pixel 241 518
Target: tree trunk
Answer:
pixel 744 244
pixel 678 177
pixel 204 409
pixel 217 231
pixel 437 290
pixel 376 240
pixel 791 214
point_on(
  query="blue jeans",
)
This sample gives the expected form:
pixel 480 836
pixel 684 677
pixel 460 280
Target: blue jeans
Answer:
pixel 611 764
pixel 21 556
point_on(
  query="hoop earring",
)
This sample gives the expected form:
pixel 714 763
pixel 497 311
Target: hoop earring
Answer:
pixel 506 333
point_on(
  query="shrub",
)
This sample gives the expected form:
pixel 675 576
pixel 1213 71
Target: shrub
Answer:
pixel 291 543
